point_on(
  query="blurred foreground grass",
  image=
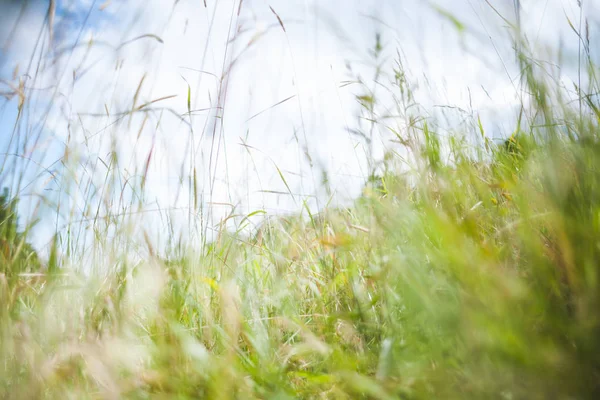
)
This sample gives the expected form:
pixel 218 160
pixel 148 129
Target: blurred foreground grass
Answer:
pixel 469 272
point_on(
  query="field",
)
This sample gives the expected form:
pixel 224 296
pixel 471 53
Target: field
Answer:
pixel 468 268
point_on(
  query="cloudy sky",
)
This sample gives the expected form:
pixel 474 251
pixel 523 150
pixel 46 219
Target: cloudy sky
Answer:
pixel 271 86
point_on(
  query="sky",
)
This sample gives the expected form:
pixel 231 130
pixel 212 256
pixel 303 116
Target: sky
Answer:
pixel 271 86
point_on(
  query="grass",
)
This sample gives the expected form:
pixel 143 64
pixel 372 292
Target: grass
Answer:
pixel 467 269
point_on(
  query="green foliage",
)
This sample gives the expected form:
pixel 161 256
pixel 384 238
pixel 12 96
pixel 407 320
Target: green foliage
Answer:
pixel 464 271
pixel 16 254
pixel 479 281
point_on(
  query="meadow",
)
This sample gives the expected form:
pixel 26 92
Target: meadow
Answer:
pixel 468 268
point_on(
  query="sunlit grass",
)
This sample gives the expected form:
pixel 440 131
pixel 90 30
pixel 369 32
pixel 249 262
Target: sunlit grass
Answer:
pixel 467 269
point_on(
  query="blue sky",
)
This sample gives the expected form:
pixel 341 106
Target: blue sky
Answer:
pixel 325 44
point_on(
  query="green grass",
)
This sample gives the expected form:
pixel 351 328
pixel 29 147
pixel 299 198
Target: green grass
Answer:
pixel 470 271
